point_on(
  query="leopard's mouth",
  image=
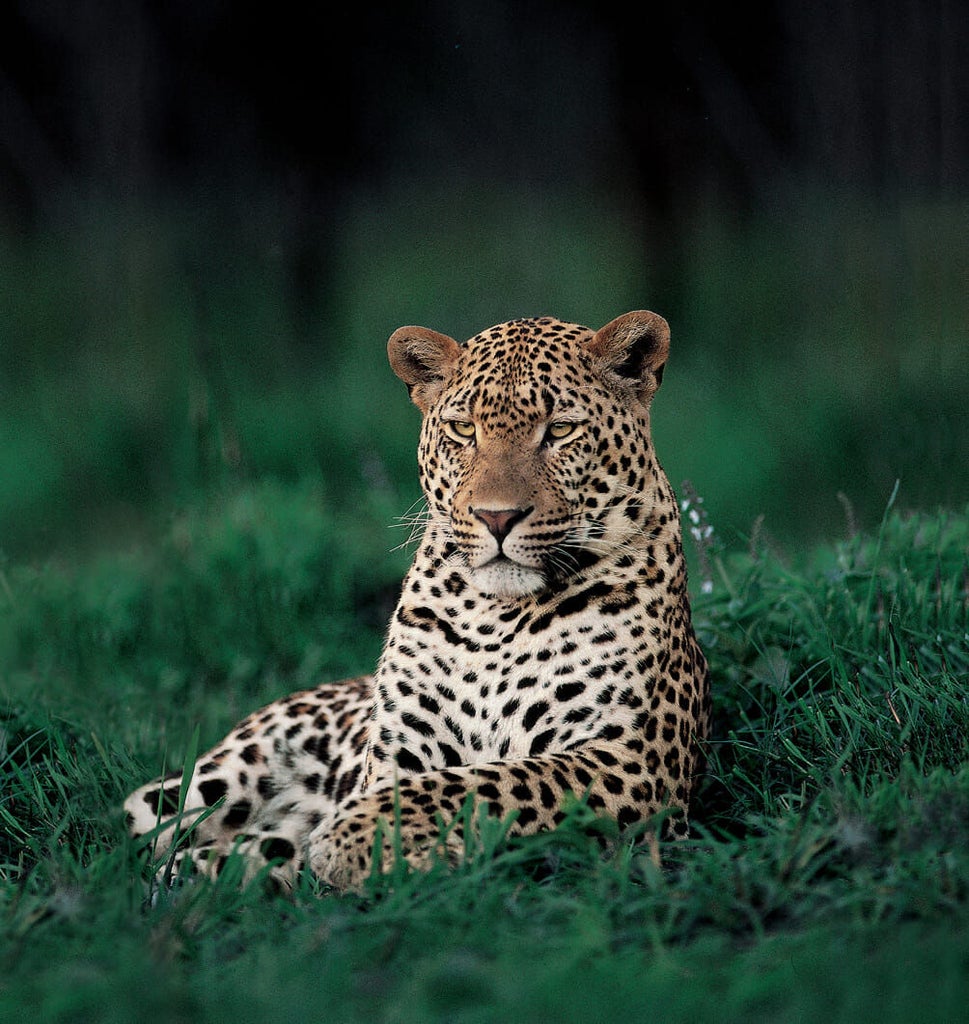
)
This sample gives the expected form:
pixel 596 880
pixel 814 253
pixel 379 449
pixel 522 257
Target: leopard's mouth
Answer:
pixel 504 576
pixel 501 559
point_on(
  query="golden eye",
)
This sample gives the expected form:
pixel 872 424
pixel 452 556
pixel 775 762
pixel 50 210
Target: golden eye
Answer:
pixel 562 429
pixel 460 430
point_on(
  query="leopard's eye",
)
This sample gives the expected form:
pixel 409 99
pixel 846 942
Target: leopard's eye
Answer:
pixel 461 430
pixel 560 430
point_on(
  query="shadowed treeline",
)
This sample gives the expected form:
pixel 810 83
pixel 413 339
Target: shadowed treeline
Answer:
pixel 136 99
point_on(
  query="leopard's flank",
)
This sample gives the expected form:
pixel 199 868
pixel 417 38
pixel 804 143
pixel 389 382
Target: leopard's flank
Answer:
pixel 542 647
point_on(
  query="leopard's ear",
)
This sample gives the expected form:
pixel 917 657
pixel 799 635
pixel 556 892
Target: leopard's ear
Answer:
pixel 635 347
pixel 423 359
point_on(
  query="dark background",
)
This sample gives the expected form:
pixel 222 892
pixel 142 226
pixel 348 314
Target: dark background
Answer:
pixel 213 214
pixel 667 102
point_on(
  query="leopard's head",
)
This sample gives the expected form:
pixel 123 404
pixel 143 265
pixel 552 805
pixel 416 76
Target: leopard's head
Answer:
pixel 535 454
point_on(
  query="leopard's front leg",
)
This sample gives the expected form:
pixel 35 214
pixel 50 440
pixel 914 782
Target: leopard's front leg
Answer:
pixel 612 783
pixel 262 790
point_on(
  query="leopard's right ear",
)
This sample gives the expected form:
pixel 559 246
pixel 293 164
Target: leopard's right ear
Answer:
pixel 423 359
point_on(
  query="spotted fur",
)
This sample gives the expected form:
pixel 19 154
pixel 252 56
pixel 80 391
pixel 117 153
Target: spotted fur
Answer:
pixel 542 647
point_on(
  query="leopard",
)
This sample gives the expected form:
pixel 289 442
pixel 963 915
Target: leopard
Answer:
pixel 541 655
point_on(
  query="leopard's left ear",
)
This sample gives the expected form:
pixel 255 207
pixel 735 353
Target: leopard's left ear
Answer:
pixel 423 359
pixel 635 347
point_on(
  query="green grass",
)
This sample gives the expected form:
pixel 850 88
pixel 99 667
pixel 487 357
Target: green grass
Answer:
pixel 828 876
pixel 194 510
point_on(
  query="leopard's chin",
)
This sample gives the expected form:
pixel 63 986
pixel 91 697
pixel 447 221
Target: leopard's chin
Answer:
pixel 506 580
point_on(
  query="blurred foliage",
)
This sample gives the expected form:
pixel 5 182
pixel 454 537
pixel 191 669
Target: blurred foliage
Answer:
pixel 264 591
pixel 150 357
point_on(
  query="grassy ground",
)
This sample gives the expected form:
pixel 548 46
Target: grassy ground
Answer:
pixel 828 877
pixel 194 499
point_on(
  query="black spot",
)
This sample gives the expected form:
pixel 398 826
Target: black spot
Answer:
pixel 330 780
pixel 454 584
pixel 237 814
pixel 168 797
pixel 613 783
pixel 277 848
pixel 265 787
pixel 526 816
pixel 627 816
pixel 250 754
pixel 213 790
pixel 347 783
pixel 541 741
pixel 533 714
pixel 428 703
pixel 566 691
pixel 643 791
pixel 570 606
pixel 451 757
pixel 419 726
pixel 454 729
pixel 576 715
pixel 427 619
pixel 323 750
pixel 409 763
pixel 582 777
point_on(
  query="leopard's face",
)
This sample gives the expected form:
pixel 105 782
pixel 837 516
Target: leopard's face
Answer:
pixel 535 456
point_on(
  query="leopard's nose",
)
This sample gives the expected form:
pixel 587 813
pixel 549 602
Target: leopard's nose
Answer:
pixel 501 521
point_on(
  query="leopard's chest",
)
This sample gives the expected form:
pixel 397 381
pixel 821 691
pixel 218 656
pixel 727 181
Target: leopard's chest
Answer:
pixel 460 688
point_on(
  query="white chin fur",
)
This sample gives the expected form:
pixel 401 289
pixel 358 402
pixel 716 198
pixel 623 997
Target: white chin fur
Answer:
pixel 506 580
